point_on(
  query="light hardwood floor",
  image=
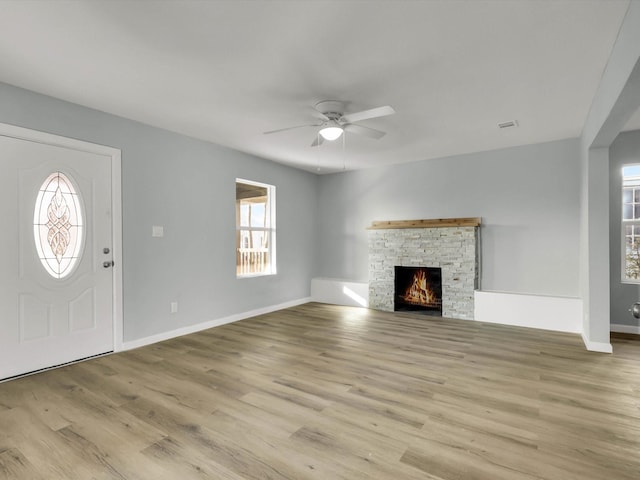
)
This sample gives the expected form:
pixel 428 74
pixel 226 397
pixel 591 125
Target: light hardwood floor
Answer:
pixel 327 392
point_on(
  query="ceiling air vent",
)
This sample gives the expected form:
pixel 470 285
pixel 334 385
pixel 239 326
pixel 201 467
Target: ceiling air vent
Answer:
pixel 509 124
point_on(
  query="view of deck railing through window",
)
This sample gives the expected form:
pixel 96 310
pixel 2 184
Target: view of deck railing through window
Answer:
pixel 631 223
pixel 255 228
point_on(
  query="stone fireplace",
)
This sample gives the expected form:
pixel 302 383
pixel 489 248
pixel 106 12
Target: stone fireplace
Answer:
pixel 451 245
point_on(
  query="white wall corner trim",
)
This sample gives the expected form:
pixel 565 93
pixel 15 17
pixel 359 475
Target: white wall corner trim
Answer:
pixel 563 314
pixel 620 328
pixel 597 346
pixel 159 337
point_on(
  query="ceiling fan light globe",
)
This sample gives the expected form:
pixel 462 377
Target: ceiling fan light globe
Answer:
pixel 331 133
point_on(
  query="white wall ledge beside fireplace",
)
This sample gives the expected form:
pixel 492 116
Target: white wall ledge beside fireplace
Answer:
pixel 338 291
pixel 562 314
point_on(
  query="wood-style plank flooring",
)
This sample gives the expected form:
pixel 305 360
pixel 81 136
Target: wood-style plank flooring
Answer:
pixel 327 392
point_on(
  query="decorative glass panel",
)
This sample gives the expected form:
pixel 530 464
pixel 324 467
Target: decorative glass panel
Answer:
pixel 58 225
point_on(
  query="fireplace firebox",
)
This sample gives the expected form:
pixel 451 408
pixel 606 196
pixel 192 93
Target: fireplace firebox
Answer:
pixel 419 290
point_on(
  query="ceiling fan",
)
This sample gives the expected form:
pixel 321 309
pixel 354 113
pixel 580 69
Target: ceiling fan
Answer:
pixel 335 122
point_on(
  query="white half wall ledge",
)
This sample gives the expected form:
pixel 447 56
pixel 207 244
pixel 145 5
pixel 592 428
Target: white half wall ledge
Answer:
pixel 622 328
pixel 160 337
pixel 561 314
pixel 597 346
pixel 338 291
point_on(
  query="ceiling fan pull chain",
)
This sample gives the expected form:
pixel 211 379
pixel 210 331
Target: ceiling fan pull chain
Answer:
pixel 344 151
pixel 318 154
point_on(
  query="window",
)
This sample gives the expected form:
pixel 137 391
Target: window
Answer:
pixel 58 225
pixel 255 228
pixel 631 223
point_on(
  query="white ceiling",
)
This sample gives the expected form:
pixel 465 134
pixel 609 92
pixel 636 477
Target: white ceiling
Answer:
pixel 226 71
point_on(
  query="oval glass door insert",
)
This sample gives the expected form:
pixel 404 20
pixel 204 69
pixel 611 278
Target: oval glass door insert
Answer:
pixel 58 225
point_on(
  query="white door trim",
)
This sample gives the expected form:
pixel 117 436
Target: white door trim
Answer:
pixel 21 133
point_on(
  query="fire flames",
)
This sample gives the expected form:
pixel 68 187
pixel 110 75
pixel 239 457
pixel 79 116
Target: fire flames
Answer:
pixel 419 292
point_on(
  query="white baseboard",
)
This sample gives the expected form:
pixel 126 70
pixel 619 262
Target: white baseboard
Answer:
pixel 340 292
pixel 562 314
pixel 597 346
pixel 159 337
pixel 620 328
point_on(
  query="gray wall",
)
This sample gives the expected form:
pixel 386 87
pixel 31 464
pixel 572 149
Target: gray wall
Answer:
pixel 624 150
pixel 528 198
pixel 188 186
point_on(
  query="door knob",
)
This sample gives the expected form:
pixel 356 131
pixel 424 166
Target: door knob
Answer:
pixel 108 264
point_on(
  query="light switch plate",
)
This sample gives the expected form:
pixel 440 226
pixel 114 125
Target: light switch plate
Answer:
pixel 157 231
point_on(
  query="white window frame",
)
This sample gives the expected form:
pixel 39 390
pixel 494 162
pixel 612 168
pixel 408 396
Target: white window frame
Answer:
pixel 271 230
pixel 633 181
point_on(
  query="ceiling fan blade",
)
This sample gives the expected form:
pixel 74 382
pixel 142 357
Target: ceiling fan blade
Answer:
pixel 318 141
pixel 322 116
pixel 366 131
pixel 289 128
pixel 365 114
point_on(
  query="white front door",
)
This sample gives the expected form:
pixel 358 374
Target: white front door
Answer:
pixel 56 254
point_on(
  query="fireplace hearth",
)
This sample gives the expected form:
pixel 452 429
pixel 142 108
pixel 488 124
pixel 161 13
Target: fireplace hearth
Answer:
pixel 418 290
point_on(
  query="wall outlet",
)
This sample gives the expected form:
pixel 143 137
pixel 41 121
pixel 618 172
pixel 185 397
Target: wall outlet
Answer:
pixel 174 307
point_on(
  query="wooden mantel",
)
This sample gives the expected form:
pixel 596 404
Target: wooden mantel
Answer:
pixel 429 223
